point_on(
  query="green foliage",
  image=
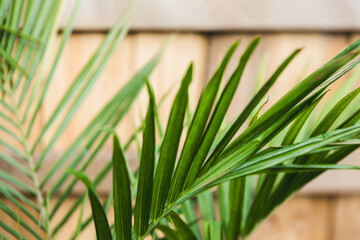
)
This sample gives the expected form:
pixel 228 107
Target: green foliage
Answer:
pixel 165 186
pixel 209 156
pixel 27 29
pixel 146 171
pixel 169 147
pixel 101 224
pixel 122 193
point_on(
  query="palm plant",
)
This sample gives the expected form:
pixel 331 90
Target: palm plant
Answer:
pixel 26 32
pixel 165 185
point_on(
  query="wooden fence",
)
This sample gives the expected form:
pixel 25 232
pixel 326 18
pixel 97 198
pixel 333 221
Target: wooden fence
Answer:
pixel 323 212
pixel 205 51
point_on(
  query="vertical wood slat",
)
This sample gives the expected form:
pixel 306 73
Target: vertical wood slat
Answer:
pixel 182 49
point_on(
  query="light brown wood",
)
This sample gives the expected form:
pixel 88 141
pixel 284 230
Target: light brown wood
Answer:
pixel 297 219
pixel 346 217
pixel 67 231
pixel 206 52
pixel 272 50
pixel 78 51
pixel 135 51
pixel 14 223
pixel 309 218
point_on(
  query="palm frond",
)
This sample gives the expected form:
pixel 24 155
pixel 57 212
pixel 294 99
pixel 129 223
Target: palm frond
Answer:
pixel 27 31
pixel 209 158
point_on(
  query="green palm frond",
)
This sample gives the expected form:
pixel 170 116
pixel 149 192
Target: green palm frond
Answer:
pixel 212 156
pixel 27 30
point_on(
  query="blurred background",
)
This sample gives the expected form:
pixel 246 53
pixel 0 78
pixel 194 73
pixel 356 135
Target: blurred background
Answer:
pixel 201 32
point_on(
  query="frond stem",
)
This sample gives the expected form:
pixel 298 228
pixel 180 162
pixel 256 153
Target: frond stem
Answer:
pixel 29 158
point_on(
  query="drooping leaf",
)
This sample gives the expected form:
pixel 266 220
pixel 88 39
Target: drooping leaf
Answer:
pixel 188 210
pixel 102 227
pixel 181 226
pixel 170 234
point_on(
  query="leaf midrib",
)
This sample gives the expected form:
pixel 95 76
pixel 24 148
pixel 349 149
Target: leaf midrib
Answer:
pixel 29 158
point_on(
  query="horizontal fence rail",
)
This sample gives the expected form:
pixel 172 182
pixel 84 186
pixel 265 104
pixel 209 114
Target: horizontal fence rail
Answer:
pixel 229 15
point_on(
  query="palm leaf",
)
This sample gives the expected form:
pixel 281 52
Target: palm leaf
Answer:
pixel 208 157
pixel 245 156
pixel 187 208
pixel 146 171
pixel 181 226
pixel 122 194
pixel 197 126
pixel 102 227
pixel 170 146
pixel 219 114
pixel 27 31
